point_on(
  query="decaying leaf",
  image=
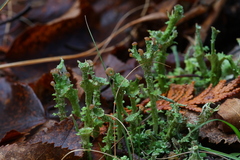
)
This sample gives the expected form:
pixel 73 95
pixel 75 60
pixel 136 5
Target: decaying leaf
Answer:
pixel 218 93
pixel 43 89
pixel 214 135
pixel 184 94
pixel 230 112
pixel 38 151
pixel 13 135
pixel 97 144
pixel 61 134
pixel 20 109
pixel 42 40
pixel 181 94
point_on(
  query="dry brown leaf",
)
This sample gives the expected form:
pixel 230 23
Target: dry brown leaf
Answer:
pixel 43 89
pixel 179 93
pixel 183 94
pixel 61 134
pixel 216 136
pixel 38 151
pixel 230 112
pixel 217 93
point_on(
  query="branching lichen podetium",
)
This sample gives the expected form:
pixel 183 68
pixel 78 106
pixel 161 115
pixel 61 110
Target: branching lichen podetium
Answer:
pixel 119 86
pixel 199 53
pixel 91 85
pixel 162 40
pixel 132 92
pixel 217 62
pixel 146 60
pixel 64 89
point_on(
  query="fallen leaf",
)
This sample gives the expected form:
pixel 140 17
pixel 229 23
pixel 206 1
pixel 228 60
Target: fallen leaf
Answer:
pixel 230 112
pixel 38 151
pixel 214 135
pixel 109 61
pixel 13 136
pixel 52 39
pixel 28 13
pixel 61 134
pixel 97 144
pixel 43 89
pixel 183 94
pixel 20 108
pixel 48 10
pixel 219 92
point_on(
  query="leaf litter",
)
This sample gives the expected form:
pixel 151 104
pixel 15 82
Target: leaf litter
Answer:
pixel 21 110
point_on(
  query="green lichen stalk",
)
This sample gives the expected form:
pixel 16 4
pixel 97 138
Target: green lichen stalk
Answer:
pixel 163 40
pixel 221 65
pixel 119 86
pixel 146 61
pixel 134 118
pixel 199 53
pixel 64 89
pixel 91 85
pixel 108 140
pixel 214 60
pixel 175 120
pixel 91 114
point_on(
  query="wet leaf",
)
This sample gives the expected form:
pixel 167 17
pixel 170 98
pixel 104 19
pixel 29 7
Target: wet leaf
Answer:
pixel 20 108
pixel 48 10
pixel 28 13
pixel 12 136
pixel 43 89
pixel 42 40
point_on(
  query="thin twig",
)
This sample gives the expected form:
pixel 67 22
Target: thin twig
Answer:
pixel 13 18
pixel 4 4
pixel 89 52
pixel 8 25
pixel 115 29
